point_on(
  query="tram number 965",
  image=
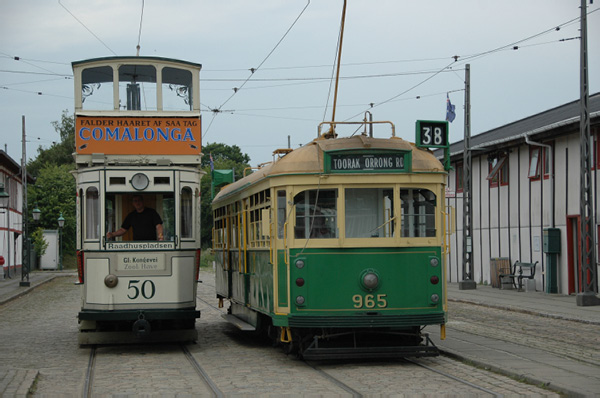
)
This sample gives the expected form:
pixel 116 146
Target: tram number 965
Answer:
pixel 370 301
pixel 146 289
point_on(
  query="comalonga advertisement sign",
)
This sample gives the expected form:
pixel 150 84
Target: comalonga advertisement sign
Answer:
pixel 138 135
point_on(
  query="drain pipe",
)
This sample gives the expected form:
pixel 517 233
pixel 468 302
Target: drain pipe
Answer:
pixel 549 147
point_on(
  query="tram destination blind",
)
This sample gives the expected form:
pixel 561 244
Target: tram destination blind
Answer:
pixel 367 162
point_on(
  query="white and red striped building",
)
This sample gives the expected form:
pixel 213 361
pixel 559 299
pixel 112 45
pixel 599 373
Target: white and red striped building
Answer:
pixel 514 199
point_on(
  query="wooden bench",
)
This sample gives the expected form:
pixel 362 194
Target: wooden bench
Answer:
pixel 520 271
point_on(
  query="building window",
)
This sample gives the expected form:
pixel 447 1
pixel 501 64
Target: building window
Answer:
pixel 459 177
pixel 498 168
pixel 539 159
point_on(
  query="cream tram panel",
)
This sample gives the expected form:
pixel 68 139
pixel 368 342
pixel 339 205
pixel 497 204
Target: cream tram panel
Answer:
pixel 167 288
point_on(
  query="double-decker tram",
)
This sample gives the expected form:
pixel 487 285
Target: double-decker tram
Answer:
pixel 138 142
pixel 335 249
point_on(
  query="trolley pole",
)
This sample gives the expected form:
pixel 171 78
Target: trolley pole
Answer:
pixel 467 282
pixel 589 270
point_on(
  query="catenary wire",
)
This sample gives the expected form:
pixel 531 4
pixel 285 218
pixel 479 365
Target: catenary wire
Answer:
pixel 88 29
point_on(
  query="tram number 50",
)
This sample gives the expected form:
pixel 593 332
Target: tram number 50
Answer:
pixel 370 301
pixel 147 289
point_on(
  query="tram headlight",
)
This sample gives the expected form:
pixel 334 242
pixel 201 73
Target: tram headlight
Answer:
pixel 300 264
pixel 369 279
pixel 300 300
pixel 435 298
pixel 111 280
pixel 434 262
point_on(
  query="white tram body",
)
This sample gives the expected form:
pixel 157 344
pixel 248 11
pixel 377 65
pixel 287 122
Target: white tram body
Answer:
pixel 138 136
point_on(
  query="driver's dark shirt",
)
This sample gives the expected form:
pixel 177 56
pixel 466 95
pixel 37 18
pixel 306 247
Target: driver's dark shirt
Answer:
pixel 144 224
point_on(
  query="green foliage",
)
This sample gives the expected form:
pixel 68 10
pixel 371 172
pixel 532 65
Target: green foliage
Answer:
pixel 40 243
pixel 54 189
pixel 61 152
pixel 224 157
pixel 206 258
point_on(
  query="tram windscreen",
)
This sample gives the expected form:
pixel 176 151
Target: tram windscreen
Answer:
pixel 316 214
pixel 118 206
pixel 369 212
pixel 418 213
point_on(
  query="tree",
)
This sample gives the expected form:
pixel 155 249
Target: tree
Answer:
pixel 61 152
pixel 54 189
pixel 224 157
pixel 54 194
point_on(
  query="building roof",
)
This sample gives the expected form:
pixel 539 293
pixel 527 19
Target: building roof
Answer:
pixel 11 166
pixel 544 125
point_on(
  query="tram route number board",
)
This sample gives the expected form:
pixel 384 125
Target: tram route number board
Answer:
pixel 354 162
pixel 432 134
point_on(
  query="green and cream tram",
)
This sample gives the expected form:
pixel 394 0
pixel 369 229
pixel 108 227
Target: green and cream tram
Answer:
pixel 138 143
pixel 335 249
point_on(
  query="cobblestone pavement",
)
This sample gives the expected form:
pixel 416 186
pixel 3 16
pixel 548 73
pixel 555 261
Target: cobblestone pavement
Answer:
pixel 567 338
pixel 40 354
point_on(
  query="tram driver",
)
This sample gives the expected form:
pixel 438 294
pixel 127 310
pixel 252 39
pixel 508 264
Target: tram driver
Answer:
pixel 146 222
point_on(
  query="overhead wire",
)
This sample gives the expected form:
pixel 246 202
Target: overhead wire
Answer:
pixel 253 70
pixel 88 29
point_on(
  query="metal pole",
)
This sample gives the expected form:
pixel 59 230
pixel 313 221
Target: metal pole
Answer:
pixel 467 185
pixel 25 235
pixel 60 250
pixel 339 61
pixel 467 283
pixel 589 277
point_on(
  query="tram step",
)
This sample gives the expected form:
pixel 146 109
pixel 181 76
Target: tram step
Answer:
pixel 246 327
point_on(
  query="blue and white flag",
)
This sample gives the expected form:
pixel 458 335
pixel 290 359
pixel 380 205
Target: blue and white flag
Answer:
pixel 450 115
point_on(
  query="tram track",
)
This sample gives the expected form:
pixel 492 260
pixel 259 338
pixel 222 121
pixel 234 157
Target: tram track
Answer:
pixel 455 378
pixel 88 385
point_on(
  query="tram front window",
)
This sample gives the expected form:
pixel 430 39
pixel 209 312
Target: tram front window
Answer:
pixel 142 217
pixel 418 213
pixel 316 214
pixel 369 212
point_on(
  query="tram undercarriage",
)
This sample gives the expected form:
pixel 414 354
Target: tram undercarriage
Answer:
pixel 137 327
pixel 323 344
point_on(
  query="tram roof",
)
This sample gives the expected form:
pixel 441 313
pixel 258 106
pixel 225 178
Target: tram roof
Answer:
pixel 308 159
pixel 133 59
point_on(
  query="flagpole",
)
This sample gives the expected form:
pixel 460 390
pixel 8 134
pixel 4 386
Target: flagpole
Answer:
pixel 467 282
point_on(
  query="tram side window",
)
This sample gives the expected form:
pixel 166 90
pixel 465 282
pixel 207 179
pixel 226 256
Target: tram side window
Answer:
pixel 369 212
pixel 97 89
pixel 316 214
pixel 418 213
pixel 137 87
pixel 176 89
pixel 92 213
pixel 187 220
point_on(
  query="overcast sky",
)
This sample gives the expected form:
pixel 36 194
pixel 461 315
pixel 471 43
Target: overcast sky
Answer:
pixel 397 56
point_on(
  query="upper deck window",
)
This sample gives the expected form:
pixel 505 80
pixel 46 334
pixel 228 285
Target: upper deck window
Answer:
pixel 176 89
pixel 97 88
pixel 137 87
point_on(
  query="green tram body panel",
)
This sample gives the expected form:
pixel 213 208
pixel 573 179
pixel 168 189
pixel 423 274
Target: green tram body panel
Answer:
pixel 333 291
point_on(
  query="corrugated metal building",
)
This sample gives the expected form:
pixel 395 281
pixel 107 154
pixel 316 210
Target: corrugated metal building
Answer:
pixel 512 196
